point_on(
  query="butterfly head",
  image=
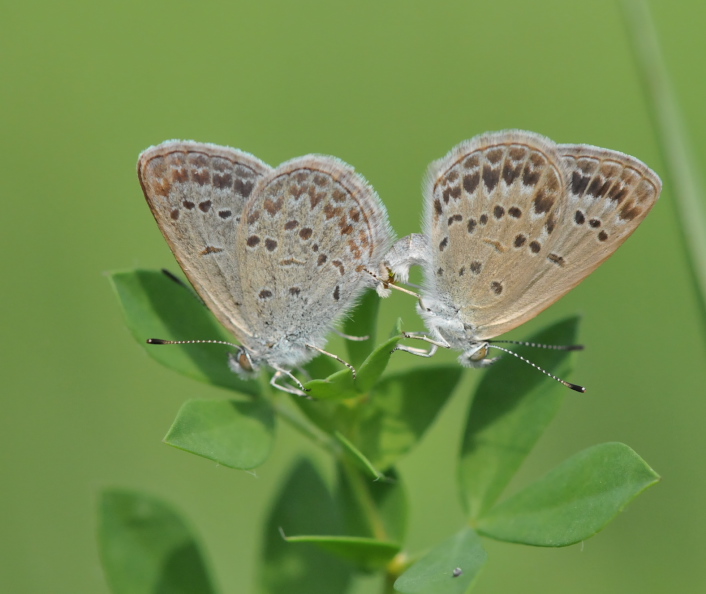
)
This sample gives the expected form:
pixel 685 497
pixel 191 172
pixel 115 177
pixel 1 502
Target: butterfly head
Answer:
pixel 477 355
pixel 243 363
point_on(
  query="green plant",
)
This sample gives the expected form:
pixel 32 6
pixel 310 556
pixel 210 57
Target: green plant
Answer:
pixel 318 537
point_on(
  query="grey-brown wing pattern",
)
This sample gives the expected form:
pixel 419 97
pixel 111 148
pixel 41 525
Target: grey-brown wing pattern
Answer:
pixel 608 195
pixel 197 193
pixel 516 221
pixel 312 225
pixel 493 207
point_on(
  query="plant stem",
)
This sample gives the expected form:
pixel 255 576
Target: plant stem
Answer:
pixel 360 490
pixel 683 175
pixel 285 412
pixel 395 569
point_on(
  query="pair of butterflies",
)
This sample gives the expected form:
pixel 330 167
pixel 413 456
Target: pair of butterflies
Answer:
pixel 512 222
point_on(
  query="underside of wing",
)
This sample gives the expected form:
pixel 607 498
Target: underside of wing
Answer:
pixel 531 221
pixel 197 193
pixel 608 195
pixel 493 206
pixel 311 226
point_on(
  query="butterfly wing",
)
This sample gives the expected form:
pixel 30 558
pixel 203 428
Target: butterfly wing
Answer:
pixel 309 227
pixel 197 193
pixel 505 238
pixel 608 194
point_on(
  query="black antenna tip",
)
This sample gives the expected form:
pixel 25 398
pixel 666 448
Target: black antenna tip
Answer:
pixel 576 387
pixel 575 347
pixel 156 341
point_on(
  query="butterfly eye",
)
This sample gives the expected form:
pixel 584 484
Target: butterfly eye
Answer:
pixel 244 361
pixel 481 353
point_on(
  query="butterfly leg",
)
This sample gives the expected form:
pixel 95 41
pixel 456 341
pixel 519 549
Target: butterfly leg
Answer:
pixel 349 337
pixel 418 352
pixel 289 389
pixel 421 352
pixel 323 352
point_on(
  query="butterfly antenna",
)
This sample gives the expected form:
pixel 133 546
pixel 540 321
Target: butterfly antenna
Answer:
pixel 161 341
pixel 574 387
pixel 554 347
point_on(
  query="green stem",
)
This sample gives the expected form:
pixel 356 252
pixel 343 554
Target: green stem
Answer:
pixel 683 175
pixel 359 488
pixel 294 420
pixel 395 569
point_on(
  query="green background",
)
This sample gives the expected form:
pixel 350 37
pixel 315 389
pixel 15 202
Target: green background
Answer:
pixel 388 87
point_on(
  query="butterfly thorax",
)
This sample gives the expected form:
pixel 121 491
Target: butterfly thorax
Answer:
pixel 446 327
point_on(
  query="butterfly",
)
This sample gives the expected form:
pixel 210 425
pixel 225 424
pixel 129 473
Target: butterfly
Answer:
pixel 275 253
pixel 512 222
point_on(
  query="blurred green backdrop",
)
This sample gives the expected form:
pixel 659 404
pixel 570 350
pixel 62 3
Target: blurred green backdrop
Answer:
pixel 388 87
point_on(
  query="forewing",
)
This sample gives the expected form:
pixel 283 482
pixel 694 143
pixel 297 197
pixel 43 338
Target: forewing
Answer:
pixel 197 193
pixel 608 195
pixel 309 228
pixel 493 208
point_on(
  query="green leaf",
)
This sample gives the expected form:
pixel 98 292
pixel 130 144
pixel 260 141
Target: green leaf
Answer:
pixel 572 502
pixel 334 407
pixel 438 571
pixel 362 322
pixel 322 366
pixel 366 553
pixel 374 509
pixel 374 366
pixel 338 386
pixel 146 548
pixel 358 457
pixel 157 307
pixel 512 407
pixel 235 434
pixel 401 408
pixel 303 506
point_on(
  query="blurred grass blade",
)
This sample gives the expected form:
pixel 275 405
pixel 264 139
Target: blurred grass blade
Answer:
pixel 146 548
pixel 512 407
pixel 449 568
pixel 375 509
pixel 572 502
pixel 362 322
pixel 303 506
pixel 684 175
pixel 157 307
pixel 235 434
pixel 400 410
pixel 365 553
